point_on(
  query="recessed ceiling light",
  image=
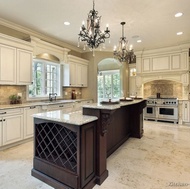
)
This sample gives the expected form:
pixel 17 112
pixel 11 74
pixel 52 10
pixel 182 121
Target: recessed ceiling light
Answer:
pixel 139 41
pixel 178 14
pixel 67 23
pixel 179 33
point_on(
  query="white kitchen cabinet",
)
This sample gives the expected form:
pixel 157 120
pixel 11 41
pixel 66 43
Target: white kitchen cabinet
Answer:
pixel 7 65
pixel 12 125
pixel 75 73
pixel 79 104
pixel 81 75
pixel 24 67
pixel 73 76
pixel 28 120
pixel 1 133
pixel 66 107
pixel 84 75
pixel 186 111
pixel 15 61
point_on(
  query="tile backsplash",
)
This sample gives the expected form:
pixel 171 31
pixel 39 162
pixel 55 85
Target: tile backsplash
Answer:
pixel 8 90
pixel 164 87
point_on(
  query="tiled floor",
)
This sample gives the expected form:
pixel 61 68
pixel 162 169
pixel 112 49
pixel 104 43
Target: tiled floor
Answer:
pixel 159 160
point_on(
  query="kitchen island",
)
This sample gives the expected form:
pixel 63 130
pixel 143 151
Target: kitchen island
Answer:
pixel 71 149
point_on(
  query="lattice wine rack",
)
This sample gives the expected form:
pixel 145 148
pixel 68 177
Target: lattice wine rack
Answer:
pixel 56 144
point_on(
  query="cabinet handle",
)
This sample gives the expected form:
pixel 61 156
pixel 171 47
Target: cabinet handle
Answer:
pixel 32 107
pixel 3 113
pixel 61 106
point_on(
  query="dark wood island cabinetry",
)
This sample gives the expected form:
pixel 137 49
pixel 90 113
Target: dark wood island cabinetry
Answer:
pixel 70 150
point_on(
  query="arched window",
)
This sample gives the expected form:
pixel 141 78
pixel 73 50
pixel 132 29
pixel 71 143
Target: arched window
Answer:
pixel 109 79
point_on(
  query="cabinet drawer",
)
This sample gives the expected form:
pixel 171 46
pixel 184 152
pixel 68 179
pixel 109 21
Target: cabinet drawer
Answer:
pixel 59 106
pixel 11 111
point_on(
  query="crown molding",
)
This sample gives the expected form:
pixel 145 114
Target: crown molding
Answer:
pixel 39 35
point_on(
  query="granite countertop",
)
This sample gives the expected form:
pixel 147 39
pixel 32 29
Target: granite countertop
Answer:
pixel 111 106
pixel 74 118
pixel 40 103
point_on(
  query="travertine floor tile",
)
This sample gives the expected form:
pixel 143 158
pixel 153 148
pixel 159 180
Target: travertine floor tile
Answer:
pixel 159 160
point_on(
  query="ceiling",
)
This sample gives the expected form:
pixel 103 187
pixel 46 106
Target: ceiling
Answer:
pixel 151 21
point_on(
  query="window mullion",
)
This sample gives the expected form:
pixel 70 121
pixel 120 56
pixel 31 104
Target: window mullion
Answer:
pixel 111 85
pixel 44 78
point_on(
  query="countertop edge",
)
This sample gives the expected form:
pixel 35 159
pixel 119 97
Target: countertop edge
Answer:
pixel 73 118
pixel 41 103
pixel 111 107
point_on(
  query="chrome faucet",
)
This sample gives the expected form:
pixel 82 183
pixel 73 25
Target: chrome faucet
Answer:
pixel 52 96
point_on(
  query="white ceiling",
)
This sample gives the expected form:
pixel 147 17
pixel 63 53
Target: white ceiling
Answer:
pixel 153 21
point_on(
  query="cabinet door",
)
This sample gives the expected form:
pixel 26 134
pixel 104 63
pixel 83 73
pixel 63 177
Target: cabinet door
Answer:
pixel 79 75
pixel 1 133
pixel 84 75
pixel 7 65
pixel 28 121
pixel 72 74
pixel 186 116
pixel 12 129
pixel 24 67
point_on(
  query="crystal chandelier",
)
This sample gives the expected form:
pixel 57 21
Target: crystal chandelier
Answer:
pixel 123 53
pixel 91 35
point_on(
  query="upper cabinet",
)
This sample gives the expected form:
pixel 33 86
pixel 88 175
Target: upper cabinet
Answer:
pixel 75 72
pixel 15 61
pixel 7 65
pixel 24 67
pixel 165 60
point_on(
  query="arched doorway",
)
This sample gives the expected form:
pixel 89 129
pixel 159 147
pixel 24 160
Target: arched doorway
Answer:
pixel 109 79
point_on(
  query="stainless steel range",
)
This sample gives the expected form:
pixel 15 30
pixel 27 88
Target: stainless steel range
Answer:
pixel 163 109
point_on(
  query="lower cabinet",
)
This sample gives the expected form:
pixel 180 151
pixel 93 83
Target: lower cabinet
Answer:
pixel 1 134
pixel 79 104
pixel 12 128
pixel 186 111
pixel 28 120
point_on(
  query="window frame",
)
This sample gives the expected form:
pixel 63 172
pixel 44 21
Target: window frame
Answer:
pixel 104 73
pixel 59 81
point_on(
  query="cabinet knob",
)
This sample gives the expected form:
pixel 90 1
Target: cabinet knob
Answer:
pixel 3 113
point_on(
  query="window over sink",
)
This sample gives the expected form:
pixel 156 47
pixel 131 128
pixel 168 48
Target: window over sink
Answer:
pixel 46 79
